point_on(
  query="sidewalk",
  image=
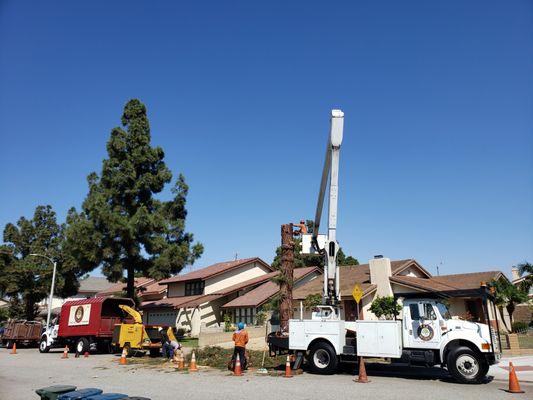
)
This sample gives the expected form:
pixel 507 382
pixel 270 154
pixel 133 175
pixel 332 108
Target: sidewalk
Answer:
pixel 523 367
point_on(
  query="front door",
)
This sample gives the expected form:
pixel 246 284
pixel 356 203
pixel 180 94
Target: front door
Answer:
pixel 422 331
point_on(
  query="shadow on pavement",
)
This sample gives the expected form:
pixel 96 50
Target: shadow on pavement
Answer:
pixel 403 371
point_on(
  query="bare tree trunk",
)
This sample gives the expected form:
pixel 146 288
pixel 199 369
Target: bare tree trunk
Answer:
pixel 286 281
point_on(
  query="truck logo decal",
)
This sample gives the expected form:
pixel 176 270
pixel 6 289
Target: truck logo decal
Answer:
pixel 79 315
pixel 425 332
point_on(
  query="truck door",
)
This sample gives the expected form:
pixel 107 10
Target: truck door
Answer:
pixel 423 331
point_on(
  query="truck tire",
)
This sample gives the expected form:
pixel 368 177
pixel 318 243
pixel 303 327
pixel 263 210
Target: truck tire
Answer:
pixel 323 359
pixel 9 344
pixel 466 365
pixel 43 345
pixel 82 345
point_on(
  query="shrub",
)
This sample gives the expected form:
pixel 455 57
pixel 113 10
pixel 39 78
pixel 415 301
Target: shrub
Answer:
pixel 520 326
pixel 385 307
pixel 260 318
pixel 227 323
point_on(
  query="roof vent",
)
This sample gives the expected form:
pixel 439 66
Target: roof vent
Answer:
pixel 379 256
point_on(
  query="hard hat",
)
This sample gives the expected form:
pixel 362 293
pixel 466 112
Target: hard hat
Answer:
pixel 160 329
pixel 240 325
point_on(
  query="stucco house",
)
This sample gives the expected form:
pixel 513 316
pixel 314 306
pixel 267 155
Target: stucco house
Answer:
pixel 198 300
pixel 383 277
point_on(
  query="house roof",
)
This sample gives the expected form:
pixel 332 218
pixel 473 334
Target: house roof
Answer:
pixel 94 284
pixel 121 286
pixel 448 283
pixel 153 288
pixel 213 270
pixel 352 274
pixel 193 301
pixel 264 292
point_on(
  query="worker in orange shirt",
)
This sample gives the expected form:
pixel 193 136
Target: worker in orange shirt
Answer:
pixel 240 337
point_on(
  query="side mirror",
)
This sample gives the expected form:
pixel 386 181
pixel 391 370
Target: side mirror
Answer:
pixel 422 311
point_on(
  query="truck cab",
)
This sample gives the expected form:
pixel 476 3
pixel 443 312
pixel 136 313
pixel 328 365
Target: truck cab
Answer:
pixel 423 334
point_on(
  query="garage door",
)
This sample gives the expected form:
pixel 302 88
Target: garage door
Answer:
pixel 160 317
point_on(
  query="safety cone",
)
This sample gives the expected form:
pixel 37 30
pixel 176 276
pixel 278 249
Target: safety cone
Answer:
pixel 514 386
pixel 14 348
pixel 192 365
pixel 362 378
pixel 288 370
pixel 86 354
pixel 123 360
pixel 65 352
pixel 237 371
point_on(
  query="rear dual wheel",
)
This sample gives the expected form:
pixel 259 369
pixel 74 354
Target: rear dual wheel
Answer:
pixel 323 359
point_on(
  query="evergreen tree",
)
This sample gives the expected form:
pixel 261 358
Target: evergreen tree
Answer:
pixel 122 226
pixel 27 279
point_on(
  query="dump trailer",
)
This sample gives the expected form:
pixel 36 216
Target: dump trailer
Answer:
pixel 21 332
pixel 137 336
pixel 425 334
pixel 86 325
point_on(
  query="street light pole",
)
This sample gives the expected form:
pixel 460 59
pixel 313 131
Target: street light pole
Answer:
pixel 54 263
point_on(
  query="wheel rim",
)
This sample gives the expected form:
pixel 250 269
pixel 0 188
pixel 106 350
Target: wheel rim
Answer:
pixel 80 346
pixel 467 365
pixel 43 345
pixel 321 358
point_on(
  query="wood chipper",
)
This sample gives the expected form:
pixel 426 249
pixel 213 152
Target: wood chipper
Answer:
pixel 138 337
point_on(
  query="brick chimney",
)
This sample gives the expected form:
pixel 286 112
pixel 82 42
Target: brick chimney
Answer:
pixel 380 272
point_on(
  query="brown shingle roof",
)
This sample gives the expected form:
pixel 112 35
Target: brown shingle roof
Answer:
pixel 121 286
pixel 213 270
pixel 349 276
pixel 264 292
pixel 448 283
pixel 172 302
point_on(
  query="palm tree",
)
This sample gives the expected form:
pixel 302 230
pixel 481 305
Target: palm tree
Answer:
pixel 509 296
pixel 525 269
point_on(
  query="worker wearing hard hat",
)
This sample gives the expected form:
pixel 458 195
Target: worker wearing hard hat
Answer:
pixel 168 352
pixel 240 337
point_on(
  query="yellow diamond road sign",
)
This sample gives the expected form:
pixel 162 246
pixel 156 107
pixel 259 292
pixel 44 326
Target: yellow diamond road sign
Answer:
pixel 357 293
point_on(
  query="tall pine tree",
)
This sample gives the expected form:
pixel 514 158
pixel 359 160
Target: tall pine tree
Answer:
pixel 122 226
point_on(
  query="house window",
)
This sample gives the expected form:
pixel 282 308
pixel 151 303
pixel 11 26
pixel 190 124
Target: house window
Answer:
pixel 246 315
pixel 194 288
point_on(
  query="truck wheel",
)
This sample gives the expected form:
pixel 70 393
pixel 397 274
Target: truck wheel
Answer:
pixel 323 359
pixel 466 366
pixel 43 346
pixel 82 345
pixel 9 344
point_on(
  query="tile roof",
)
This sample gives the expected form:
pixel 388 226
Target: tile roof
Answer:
pixel 213 270
pixel 153 288
pixel 349 276
pixel 264 292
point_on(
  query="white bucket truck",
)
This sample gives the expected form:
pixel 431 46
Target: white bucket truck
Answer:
pixel 423 334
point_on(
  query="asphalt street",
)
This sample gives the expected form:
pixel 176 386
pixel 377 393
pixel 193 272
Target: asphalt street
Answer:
pixel 23 373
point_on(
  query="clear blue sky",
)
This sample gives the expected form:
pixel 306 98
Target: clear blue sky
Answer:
pixel 437 161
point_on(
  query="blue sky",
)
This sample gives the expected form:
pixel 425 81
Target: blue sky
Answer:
pixel 437 161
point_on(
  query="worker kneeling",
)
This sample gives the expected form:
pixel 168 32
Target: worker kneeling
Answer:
pixel 240 337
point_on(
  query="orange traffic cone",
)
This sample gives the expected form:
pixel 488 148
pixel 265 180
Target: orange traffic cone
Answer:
pixel 362 378
pixel 86 354
pixel 192 365
pixel 514 386
pixel 14 348
pixel 65 352
pixel 123 360
pixel 288 370
pixel 237 371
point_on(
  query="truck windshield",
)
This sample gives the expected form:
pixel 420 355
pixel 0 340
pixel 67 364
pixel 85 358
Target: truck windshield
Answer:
pixel 443 310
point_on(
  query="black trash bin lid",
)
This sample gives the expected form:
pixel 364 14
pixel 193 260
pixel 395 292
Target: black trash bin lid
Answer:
pixel 52 392
pixel 108 396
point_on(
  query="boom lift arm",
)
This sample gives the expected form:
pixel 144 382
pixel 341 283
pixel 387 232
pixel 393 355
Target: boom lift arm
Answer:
pixel 330 173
